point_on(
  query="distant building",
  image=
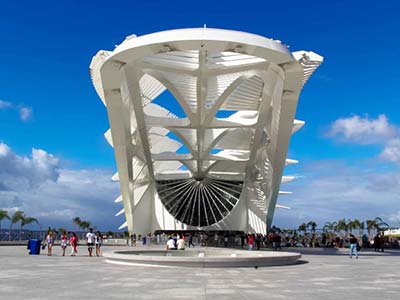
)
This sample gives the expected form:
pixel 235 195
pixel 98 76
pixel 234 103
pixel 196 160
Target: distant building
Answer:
pixel 392 232
pixel 220 166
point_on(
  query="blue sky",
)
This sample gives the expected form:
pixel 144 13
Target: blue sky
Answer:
pixel 50 104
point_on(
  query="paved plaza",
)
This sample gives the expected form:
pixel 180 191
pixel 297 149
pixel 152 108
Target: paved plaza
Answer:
pixel 319 276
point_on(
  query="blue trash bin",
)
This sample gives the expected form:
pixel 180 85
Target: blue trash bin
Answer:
pixel 34 246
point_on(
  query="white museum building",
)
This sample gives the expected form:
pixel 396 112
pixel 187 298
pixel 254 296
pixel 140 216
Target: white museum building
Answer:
pixel 200 122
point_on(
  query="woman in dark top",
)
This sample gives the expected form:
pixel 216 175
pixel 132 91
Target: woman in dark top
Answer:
pixel 353 245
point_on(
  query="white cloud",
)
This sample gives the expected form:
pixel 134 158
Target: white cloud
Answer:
pixel 394 218
pixel 363 130
pixel 332 190
pixel 22 172
pixel 391 152
pixel 40 186
pixel 25 113
pixel 366 131
pixel 5 104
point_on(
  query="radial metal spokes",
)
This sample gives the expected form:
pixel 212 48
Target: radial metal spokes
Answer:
pixel 199 202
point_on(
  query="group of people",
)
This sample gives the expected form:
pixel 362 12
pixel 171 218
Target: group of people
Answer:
pixel 179 242
pixel 93 241
pixel 379 242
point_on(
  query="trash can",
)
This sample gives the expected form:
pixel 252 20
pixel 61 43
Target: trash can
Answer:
pixel 34 246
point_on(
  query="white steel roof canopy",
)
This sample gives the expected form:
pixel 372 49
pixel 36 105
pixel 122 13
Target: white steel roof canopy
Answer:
pixel 230 174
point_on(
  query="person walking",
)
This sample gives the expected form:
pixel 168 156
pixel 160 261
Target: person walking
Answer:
pixel 382 238
pixel 190 240
pixel 144 240
pixel 73 241
pixel 377 242
pixel 64 240
pixel 98 242
pixel 353 245
pixel 226 241
pixel 258 241
pixel 133 240
pixel 242 240
pixel 250 242
pixel 90 238
pixel 205 241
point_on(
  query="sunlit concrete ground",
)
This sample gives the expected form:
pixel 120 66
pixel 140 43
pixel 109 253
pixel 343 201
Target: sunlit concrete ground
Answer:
pixel 323 276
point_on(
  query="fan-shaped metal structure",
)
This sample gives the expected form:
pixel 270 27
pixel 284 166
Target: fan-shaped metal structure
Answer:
pixel 219 164
pixel 199 203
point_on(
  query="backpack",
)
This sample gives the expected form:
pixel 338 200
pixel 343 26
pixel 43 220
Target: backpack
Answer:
pixel 358 247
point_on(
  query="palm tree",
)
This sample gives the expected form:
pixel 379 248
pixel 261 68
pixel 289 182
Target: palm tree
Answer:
pixel 25 221
pixel 85 225
pixel 303 227
pixel 17 216
pixel 371 224
pixel 313 226
pixel 342 226
pixel 77 221
pixel 3 215
pixel 380 224
pixel 362 227
pixel 330 226
pixel 357 224
pixel 351 225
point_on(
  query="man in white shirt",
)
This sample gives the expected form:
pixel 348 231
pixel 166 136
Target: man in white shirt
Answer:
pixel 171 244
pixel 90 238
pixel 181 244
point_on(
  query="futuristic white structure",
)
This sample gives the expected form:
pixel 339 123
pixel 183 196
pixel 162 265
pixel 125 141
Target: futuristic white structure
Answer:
pixel 229 177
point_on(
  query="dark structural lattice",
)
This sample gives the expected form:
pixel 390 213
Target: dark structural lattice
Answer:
pixel 199 202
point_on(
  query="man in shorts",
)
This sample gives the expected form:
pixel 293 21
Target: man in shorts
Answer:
pixel 90 238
